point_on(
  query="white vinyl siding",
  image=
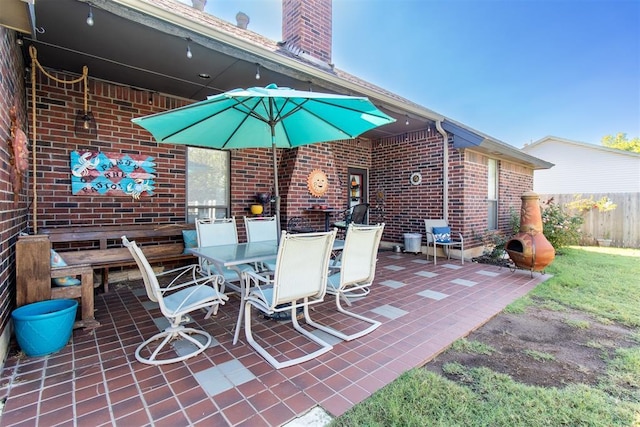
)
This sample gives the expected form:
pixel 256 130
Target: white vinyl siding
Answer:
pixel 584 168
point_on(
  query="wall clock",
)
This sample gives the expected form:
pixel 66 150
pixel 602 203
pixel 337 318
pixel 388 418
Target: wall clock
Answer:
pixel 317 183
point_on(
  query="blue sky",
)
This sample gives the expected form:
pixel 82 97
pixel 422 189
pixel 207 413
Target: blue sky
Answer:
pixel 517 70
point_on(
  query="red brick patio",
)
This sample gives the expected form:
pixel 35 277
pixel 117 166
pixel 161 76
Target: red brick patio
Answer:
pixel 96 380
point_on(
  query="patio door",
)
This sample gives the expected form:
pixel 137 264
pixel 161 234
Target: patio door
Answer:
pixel 358 186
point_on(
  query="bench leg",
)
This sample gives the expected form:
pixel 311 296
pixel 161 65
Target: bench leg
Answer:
pixel 85 293
pixel 105 280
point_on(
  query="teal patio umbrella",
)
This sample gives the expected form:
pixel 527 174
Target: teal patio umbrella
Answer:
pixel 265 117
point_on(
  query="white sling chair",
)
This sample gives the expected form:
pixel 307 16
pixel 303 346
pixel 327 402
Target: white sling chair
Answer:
pixel 217 232
pixel 261 229
pixel 175 301
pixel 357 271
pixel 300 280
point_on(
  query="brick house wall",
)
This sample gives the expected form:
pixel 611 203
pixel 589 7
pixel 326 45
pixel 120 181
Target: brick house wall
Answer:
pixel 390 163
pixel 514 180
pixel 13 217
pixel 113 107
pixel 405 206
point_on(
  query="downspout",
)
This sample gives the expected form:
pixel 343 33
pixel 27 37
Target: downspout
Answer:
pixel 445 171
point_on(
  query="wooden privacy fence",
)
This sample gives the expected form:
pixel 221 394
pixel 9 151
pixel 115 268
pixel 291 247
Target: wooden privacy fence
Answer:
pixel 621 225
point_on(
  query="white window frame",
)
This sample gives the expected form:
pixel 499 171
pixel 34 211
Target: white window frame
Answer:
pixel 197 205
pixel 492 194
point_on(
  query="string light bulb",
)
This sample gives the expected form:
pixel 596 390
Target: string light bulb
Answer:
pixel 406 122
pixel 90 16
pixel 257 71
pixel 189 53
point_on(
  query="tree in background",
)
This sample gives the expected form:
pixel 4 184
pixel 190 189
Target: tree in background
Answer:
pixel 620 142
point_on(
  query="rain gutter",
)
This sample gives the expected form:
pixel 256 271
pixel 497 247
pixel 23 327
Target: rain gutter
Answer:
pixel 445 171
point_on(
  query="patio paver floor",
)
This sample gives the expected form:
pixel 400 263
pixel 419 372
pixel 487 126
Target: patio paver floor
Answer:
pixel 96 379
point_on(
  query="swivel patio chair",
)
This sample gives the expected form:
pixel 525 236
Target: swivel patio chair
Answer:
pixel 438 233
pixel 260 229
pixel 176 300
pixel 217 232
pixel 299 280
pixel 357 271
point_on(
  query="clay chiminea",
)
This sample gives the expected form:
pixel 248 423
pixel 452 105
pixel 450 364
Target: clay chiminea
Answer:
pixel 530 249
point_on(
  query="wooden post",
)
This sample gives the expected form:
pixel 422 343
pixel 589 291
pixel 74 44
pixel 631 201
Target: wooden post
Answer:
pixel 33 269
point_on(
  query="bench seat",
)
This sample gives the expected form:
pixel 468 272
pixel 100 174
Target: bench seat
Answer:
pixel 101 246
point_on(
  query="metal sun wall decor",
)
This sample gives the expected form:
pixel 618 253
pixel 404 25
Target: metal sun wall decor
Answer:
pixel 112 174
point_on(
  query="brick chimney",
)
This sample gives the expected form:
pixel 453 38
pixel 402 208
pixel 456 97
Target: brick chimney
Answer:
pixel 306 24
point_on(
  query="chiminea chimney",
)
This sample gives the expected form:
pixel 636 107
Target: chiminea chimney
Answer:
pixel 307 24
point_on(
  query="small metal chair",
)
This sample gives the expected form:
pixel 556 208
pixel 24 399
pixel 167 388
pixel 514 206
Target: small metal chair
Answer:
pixel 298 224
pixel 356 214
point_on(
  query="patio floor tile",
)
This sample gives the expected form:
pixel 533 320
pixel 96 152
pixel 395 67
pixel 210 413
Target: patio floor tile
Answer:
pixel 96 379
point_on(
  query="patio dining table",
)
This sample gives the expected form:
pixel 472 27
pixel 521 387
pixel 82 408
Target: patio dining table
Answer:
pixel 232 256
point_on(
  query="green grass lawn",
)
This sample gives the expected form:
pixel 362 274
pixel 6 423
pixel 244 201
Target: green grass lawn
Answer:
pixel 601 282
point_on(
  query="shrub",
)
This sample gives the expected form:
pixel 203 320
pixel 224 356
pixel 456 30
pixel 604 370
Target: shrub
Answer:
pixel 560 228
pixel 494 241
pixel 585 205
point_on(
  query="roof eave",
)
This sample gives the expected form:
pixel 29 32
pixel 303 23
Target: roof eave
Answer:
pixel 275 56
pixel 464 138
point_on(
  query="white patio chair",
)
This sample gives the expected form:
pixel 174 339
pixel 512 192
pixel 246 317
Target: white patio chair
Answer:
pixel 357 271
pixel 176 300
pixel 261 229
pixel 299 280
pixel 218 232
pixel 438 233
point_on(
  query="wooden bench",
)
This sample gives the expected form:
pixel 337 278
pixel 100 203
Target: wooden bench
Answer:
pixel 85 249
pixel 101 246
pixel 34 274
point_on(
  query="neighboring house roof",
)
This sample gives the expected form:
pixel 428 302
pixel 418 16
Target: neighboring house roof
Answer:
pixel 584 168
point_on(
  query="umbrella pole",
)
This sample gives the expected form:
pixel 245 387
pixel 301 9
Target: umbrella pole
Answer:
pixel 275 178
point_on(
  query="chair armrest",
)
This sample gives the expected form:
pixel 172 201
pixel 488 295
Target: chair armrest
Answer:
pixel 256 278
pixel 430 237
pixel 256 282
pixel 183 270
pixel 214 280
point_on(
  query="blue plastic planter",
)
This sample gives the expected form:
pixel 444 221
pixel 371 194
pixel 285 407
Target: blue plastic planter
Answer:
pixel 44 327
